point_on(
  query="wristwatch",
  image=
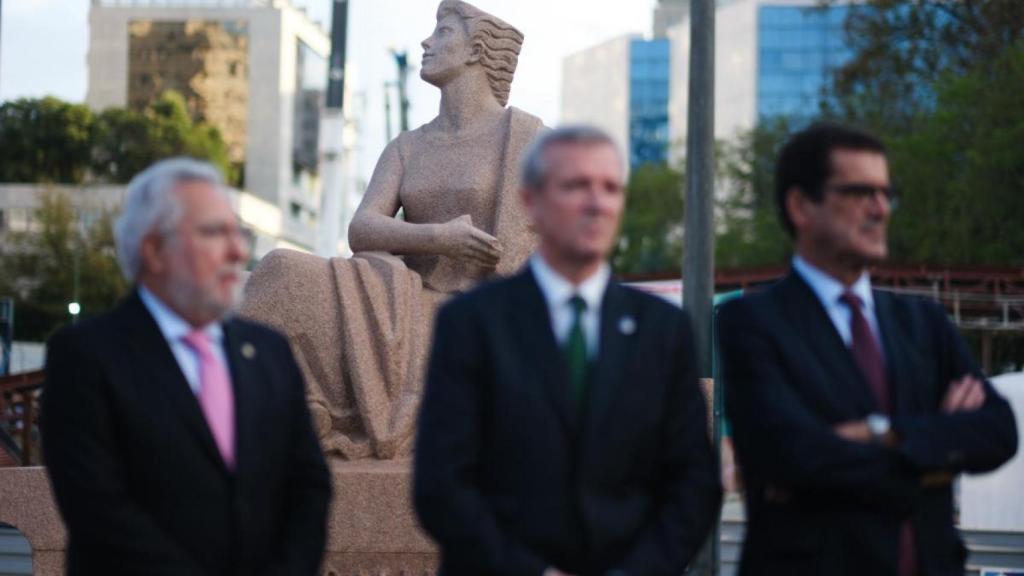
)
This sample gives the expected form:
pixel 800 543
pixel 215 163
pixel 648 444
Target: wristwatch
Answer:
pixel 879 426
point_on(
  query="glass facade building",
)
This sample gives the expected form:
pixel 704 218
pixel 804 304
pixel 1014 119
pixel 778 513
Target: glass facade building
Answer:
pixel 798 47
pixel 648 101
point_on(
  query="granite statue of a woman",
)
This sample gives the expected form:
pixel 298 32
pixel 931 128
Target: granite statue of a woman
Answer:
pixel 361 326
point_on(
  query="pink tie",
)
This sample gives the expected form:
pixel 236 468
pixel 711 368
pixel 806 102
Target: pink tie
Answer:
pixel 215 395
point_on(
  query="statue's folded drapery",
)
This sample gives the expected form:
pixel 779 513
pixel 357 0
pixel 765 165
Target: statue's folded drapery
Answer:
pixel 361 326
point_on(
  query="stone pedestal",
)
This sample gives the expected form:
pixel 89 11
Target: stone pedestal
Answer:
pixel 372 529
pixel 26 503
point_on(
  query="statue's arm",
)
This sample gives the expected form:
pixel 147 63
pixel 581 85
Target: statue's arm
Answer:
pixel 375 228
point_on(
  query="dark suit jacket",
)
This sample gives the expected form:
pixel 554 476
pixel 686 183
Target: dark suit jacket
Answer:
pixel 510 479
pixel 817 504
pixel 137 476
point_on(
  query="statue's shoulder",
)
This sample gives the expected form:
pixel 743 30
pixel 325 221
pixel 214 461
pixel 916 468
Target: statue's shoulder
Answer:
pixel 525 121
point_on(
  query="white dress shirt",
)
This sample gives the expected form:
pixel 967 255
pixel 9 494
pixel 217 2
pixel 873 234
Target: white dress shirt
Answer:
pixel 174 328
pixel 558 291
pixel 829 290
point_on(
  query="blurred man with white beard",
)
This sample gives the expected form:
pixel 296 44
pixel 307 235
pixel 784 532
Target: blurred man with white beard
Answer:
pixel 177 437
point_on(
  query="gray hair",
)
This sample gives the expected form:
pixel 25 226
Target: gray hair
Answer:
pixel 534 169
pixel 151 205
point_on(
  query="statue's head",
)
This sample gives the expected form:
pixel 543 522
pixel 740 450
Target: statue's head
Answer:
pixel 465 34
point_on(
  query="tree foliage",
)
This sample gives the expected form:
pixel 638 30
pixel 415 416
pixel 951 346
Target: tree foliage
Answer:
pixel 961 173
pixel 40 266
pixel 651 239
pixel 749 233
pixel 902 49
pixel 45 140
pixel 50 141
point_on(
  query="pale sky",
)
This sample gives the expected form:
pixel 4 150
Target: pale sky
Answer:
pixel 43 46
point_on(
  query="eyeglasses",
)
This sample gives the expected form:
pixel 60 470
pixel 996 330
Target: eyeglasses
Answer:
pixel 859 190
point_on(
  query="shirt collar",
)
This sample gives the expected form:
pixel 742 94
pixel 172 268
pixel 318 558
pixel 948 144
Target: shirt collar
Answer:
pixel 172 326
pixel 828 289
pixel 557 289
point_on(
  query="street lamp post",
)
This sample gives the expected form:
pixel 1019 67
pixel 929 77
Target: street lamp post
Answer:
pixel 333 156
pixel 75 307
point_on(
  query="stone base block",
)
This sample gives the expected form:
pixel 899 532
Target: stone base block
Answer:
pixel 372 529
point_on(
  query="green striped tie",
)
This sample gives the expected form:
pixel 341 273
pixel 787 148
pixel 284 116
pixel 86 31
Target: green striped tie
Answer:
pixel 576 349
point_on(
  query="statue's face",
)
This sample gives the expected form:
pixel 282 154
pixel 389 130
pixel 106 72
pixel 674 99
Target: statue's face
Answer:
pixel 446 52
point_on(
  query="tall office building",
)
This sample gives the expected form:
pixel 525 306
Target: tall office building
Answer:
pixel 773 58
pixel 622 86
pixel 255 69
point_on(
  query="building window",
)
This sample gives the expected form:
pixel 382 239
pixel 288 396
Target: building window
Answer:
pixel 799 48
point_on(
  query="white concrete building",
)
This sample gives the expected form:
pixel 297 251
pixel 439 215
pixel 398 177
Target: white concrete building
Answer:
pixel 286 72
pixel 19 202
pixel 595 88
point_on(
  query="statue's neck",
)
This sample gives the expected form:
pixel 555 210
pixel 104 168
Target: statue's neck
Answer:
pixel 466 101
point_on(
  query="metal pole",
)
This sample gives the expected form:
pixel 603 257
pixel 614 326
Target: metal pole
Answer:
pixel 76 279
pixel 1 28
pixel 402 62
pixel 336 72
pixel 387 109
pixel 699 240
pixel 332 145
pixel 6 335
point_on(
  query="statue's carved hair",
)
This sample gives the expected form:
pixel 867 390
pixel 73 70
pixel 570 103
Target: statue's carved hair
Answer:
pixel 501 44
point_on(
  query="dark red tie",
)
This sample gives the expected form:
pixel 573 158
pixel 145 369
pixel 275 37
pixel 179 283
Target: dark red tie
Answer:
pixel 866 352
pixel 868 355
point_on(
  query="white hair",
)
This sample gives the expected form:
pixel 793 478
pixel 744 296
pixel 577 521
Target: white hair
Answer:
pixel 533 168
pixel 151 205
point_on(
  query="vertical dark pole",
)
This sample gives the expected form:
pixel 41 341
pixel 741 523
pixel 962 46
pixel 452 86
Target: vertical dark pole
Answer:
pixel 698 260
pixel 336 70
pixel 1 27
pixel 6 335
pixel 331 145
pixel 402 62
pixel 387 109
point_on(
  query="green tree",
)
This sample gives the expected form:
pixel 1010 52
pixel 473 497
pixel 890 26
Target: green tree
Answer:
pixel 961 175
pixel 901 49
pixel 128 141
pixel 749 231
pixel 50 141
pixel 45 140
pixel 40 267
pixel 651 239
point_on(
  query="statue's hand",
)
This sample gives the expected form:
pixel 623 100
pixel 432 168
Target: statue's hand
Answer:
pixel 460 239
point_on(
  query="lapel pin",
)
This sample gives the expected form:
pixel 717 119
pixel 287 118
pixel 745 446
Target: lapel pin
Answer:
pixel 627 325
pixel 248 351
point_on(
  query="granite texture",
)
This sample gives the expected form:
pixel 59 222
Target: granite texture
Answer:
pixel 26 502
pixel 372 527
pixel 361 326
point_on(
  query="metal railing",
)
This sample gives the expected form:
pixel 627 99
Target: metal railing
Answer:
pixel 19 410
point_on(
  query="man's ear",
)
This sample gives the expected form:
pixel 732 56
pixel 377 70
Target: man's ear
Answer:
pixel 151 253
pixel 797 204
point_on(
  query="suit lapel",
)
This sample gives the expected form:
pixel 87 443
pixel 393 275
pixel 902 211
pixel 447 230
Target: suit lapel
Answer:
pixel 241 355
pixel 615 347
pixel 805 312
pixel 897 354
pixel 166 379
pixel 532 323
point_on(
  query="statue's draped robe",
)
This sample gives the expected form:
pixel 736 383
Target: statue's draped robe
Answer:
pixel 361 326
